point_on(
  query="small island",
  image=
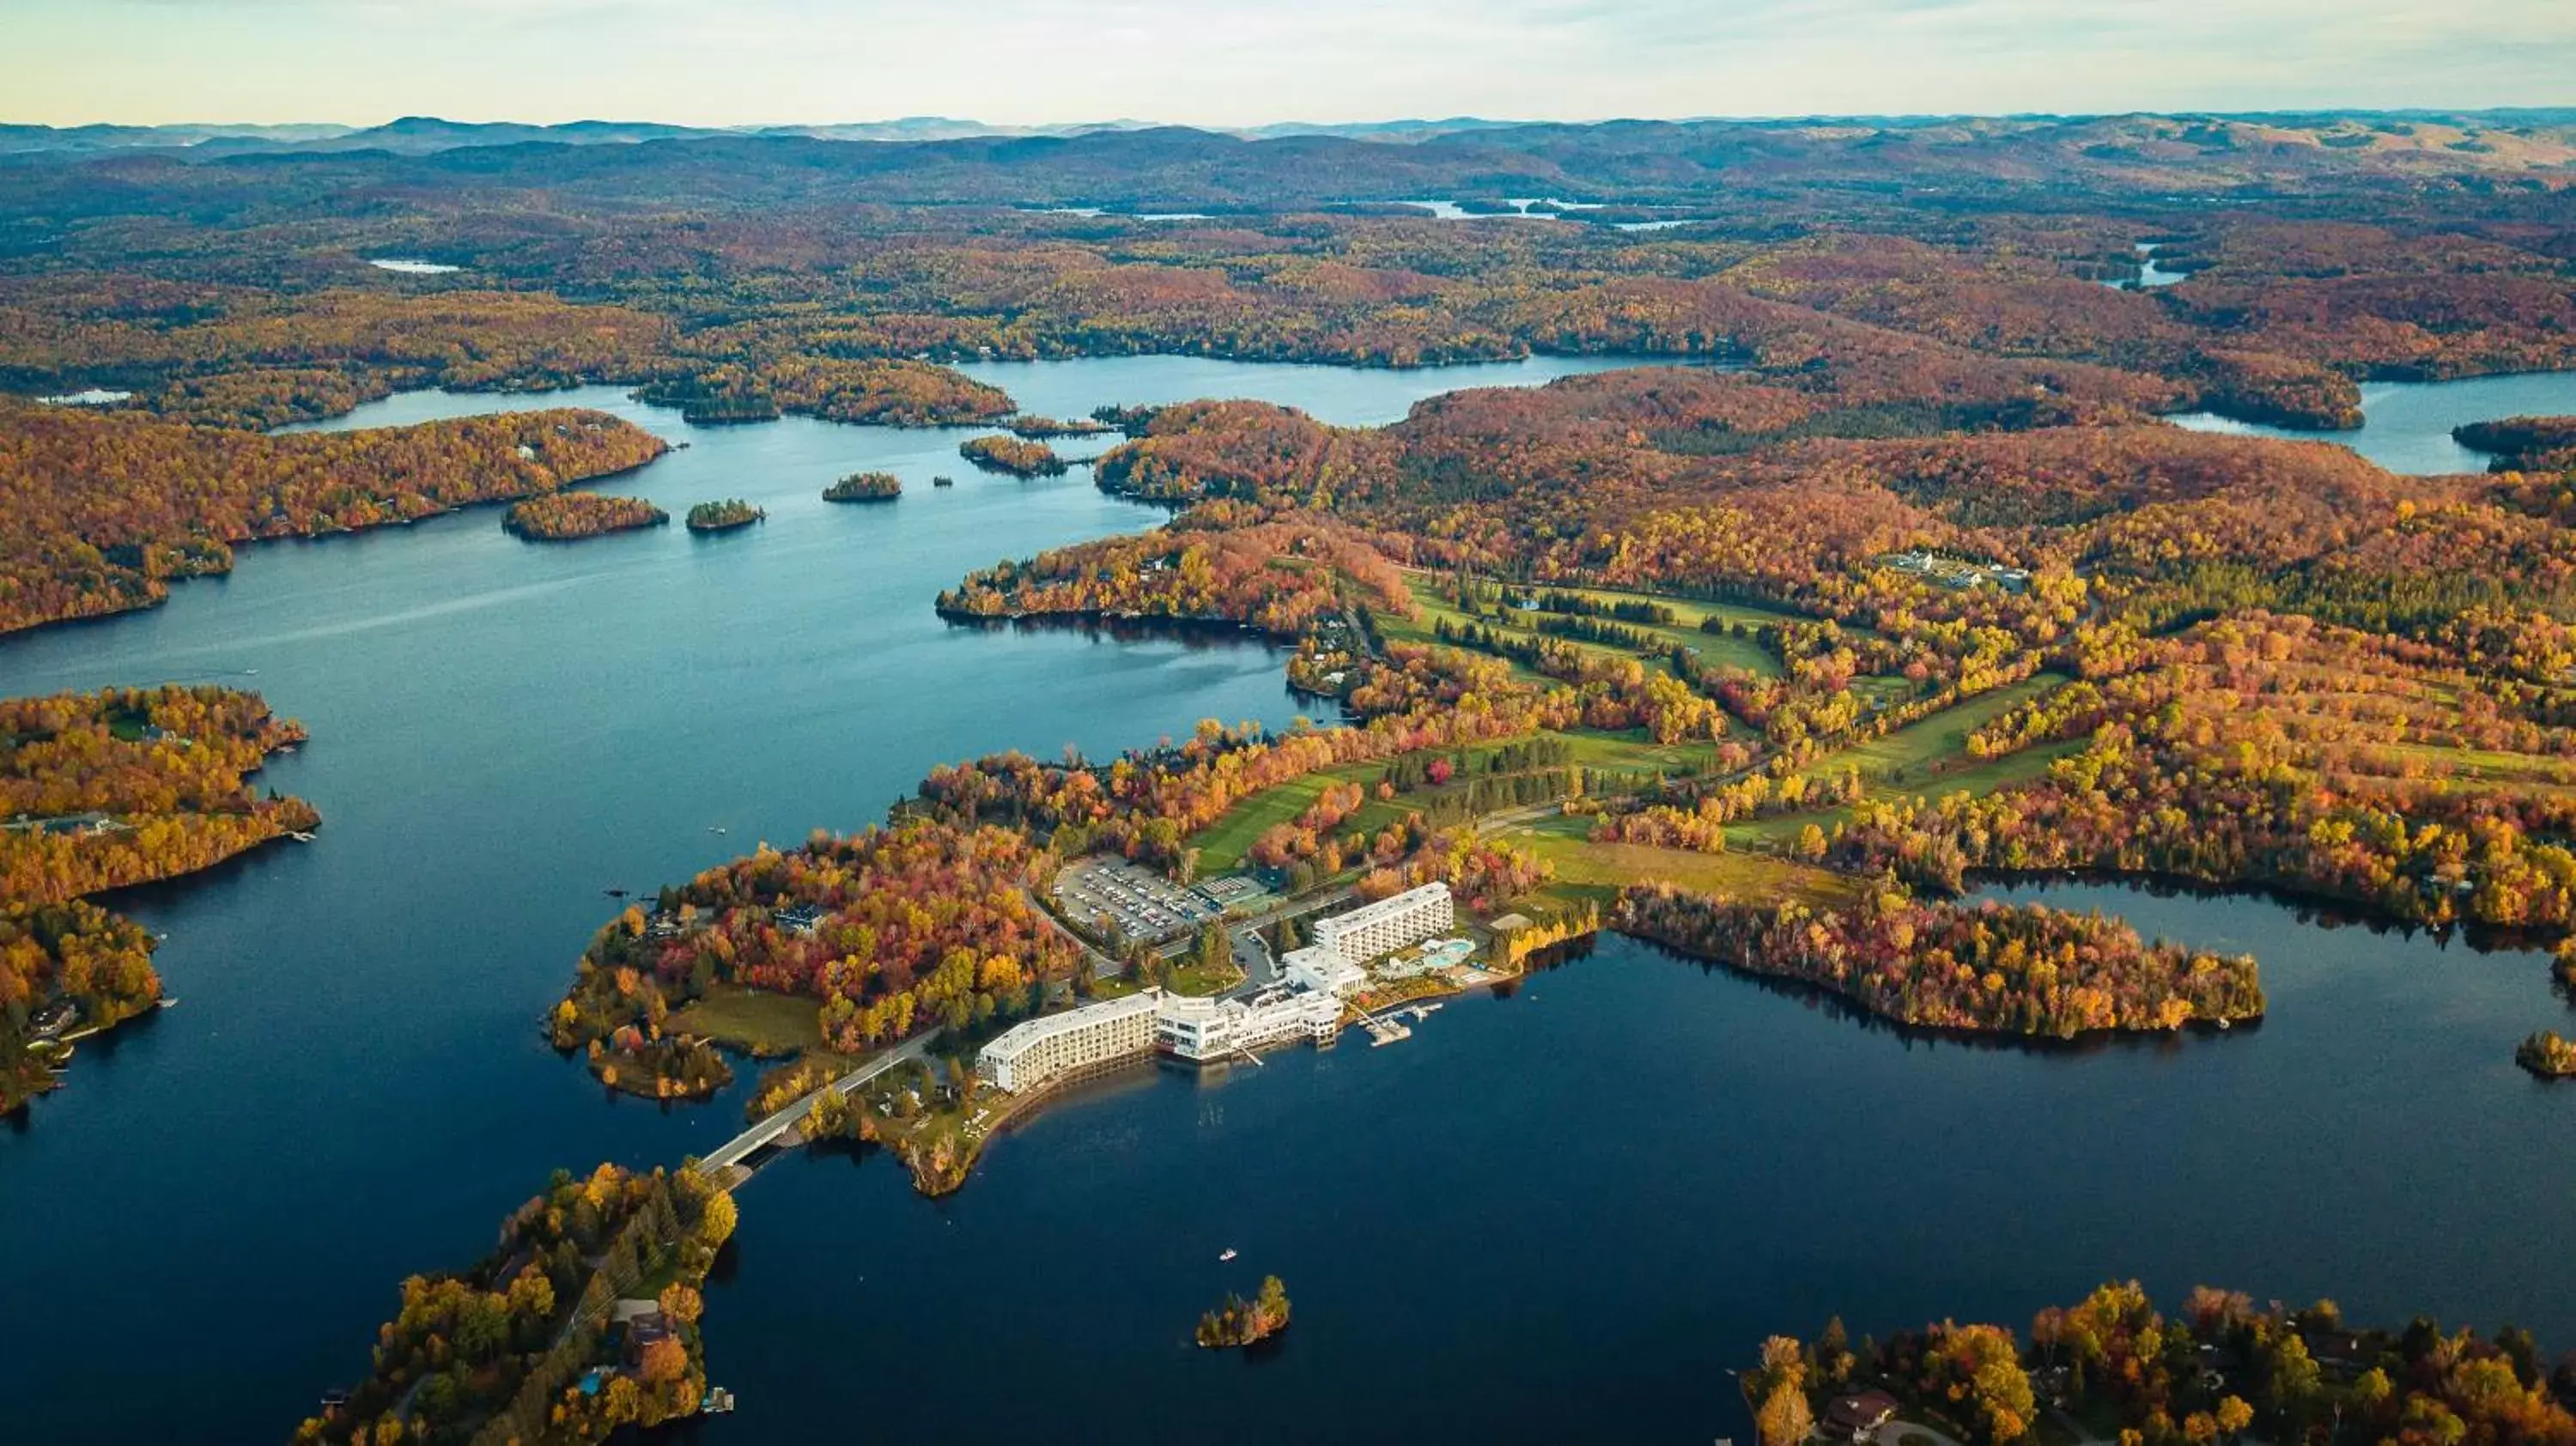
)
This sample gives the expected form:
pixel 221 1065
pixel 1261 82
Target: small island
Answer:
pixel 865 487
pixel 724 516
pixel 1013 456
pixel 2547 1054
pixel 1240 1322
pixel 570 516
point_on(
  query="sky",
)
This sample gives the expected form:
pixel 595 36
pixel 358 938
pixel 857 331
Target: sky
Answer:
pixel 1246 62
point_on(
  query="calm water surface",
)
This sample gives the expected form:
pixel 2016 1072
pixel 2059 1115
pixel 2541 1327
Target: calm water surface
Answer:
pixel 1563 1215
pixel 2406 426
pixel 1554 1217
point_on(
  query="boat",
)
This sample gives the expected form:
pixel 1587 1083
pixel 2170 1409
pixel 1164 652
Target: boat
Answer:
pixel 1227 1254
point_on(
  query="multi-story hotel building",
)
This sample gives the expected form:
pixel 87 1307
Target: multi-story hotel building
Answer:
pixel 1387 925
pixel 1039 1052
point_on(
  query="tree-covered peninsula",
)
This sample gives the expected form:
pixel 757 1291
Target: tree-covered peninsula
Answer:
pixel 108 508
pixel 99 791
pixel 2025 970
pixel 583 1320
pixel 1012 456
pixel 2113 1367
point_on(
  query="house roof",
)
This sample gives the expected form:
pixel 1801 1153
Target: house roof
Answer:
pixel 1860 1408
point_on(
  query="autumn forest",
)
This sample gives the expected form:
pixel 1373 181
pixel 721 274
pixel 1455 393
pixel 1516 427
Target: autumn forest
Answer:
pixel 1883 573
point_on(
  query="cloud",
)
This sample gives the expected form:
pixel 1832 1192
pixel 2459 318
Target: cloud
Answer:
pixel 1243 61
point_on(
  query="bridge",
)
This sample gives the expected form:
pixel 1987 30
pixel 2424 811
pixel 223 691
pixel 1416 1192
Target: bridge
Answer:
pixel 741 1147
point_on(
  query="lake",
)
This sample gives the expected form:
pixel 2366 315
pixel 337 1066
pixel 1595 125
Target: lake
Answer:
pixel 2406 426
pixel 1566 1214
pixel 353 1087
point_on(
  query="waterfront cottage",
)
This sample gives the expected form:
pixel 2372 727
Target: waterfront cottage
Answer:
pixel 1857 1416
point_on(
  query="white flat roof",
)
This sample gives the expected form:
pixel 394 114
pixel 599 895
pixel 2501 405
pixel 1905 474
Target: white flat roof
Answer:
pixel 1388 907
pixel 1010 1043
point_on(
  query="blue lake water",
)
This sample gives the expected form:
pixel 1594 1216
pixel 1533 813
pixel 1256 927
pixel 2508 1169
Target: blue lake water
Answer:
pixel 1554 1217
pixel 2406 426
pixel 1564 1215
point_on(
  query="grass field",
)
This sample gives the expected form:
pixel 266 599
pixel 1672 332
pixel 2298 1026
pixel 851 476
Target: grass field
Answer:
pixel 1904 762
pixel 1684 629
pixel 1198 980
pixel 752 1019
pixel 1916 746
pixel 1223 844
pixel 1595 871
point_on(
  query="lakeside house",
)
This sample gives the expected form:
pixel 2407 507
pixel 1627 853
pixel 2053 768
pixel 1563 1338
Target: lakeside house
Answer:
pixel 73 825
pixel 800 920
pixel 55 1018
pixel 1856 1416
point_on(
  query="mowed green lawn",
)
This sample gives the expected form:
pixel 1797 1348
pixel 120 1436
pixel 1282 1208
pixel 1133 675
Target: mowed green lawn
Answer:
pixel 752 1019
pixel 1595 872
pixel 1944 735
pixel 1683 630
pixel 1223 844
pixel 1928 759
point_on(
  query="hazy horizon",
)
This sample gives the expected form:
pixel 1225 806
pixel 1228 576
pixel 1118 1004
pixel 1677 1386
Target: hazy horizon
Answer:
pixel 1285 122
pixel 1232 64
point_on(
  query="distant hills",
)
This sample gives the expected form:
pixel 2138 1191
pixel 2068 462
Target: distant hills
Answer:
pixel 428 135
pixel 424 135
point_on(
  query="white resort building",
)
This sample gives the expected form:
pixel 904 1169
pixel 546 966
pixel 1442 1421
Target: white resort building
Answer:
pixel 1036 1053
pixel 1320 969
pixel 1387 925
pixel 1199 1030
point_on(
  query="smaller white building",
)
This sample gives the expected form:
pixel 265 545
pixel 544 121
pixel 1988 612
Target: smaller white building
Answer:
pixel 1387 925
pixel 1038 1052
pixel 1321 970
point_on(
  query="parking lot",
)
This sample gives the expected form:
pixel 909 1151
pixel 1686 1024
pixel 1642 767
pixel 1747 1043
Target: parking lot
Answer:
pixel 1133 902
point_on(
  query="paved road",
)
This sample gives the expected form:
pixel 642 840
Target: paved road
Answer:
pixel 740 1147
pixel 1252 956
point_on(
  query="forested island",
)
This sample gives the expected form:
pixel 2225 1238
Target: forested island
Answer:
pixel 724 516
pixel 566 516
pixel 99 791
pixel 865 487
pixel 1012 456
pixel 2115 1368
pixel 2547 1054
pixel 1240 1322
